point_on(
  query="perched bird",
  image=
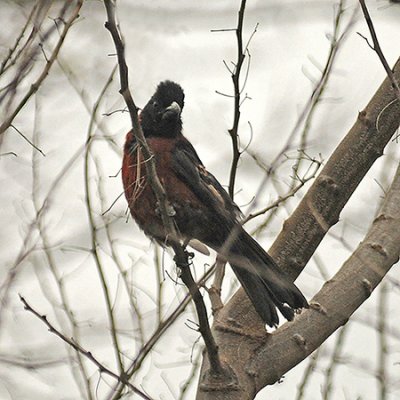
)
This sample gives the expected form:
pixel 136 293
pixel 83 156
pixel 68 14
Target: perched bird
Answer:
pixel 201 208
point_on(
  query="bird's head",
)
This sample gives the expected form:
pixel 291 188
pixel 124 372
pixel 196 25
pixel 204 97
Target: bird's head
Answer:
pixel 161 116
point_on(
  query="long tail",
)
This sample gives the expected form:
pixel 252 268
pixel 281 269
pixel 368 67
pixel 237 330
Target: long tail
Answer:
pixel 265 284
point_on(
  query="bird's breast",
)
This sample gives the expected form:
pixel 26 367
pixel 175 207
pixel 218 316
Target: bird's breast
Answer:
pixel 138 192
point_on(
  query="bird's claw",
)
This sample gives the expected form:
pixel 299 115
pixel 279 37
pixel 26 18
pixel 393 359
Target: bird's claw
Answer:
pixel 169 209
pixel 183 260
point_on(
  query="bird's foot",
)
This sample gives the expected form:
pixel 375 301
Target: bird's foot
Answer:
pixel 169 210
pixel 183 258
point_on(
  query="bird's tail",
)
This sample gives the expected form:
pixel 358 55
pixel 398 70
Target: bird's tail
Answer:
pixel 265 284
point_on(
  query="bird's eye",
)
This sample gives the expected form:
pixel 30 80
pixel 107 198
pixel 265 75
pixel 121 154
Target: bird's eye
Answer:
pixel 155 105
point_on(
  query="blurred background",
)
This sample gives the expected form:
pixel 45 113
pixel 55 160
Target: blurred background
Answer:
pixel 67 244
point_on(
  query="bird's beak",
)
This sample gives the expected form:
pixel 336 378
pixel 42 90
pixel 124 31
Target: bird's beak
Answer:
pixel 173 111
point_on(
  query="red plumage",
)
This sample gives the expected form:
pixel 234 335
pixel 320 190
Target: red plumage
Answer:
pixel 202 209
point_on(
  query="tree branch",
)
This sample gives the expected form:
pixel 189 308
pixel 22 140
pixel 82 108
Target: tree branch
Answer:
pixel 377 48
pixel 337 39
pixel 181 256
pixel 94 251
pixel 71 342
pixel 300 236
pixel 338 298
pixel 235 72
pixel 35 86
pixel 233 132
pixel 281 199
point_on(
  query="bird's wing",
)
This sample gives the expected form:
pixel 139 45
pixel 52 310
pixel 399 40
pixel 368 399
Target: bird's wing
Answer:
pixel 261 278
pixel 189 168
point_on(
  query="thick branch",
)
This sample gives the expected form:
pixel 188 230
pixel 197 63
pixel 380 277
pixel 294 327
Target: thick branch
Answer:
pixel 338 298
pixel 300 236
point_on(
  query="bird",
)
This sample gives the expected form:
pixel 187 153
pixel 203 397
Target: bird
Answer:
pixel 201 208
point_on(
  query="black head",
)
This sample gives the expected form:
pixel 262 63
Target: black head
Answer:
pixel 162 114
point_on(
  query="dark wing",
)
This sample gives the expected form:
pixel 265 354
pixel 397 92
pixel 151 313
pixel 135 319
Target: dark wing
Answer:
pixel 189 168
pixel 263 281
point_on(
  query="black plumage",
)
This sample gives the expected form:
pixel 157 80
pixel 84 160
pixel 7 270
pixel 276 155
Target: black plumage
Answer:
pixel 203 209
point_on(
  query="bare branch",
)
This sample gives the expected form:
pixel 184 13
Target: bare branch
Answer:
pixel 336 41
pixel 312 363
pixel 9 60
pixel 233 132
pixel 377 48
pixel 301 182
pixel 27 140
pixel 355 281
pixel 339 343
pixel 93 228
pixel 301 234
pixel 214 291
pixel 35 86
pixel 81 375
pixel 181 256
pixel 383 341
pixel 158 334
pixel 71 342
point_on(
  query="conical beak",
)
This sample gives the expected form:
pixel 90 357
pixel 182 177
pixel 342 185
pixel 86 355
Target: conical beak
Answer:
pixel 172 112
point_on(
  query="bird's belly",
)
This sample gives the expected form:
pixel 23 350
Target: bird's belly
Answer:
pixel 189 220
pixel 189 217
pixel 192 218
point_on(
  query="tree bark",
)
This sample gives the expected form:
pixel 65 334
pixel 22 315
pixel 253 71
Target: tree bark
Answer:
pixel 258 359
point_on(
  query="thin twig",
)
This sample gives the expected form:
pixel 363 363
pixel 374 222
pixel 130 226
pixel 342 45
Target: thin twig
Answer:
pixel 26 54
pixel 29 242
pixel 204 327
pixel 336 41
pixel 35 86
pixel 233 132
pixel 306 115
pixel 318 88
pixel 136 315
pixel 327 389
pixel 383 345
pixel 223 30
pixel 81 374
pixel 71 342
pixel 93 228
pixel 29 141
pixel 377 48
pixel 8 61
pixel 158 334
pixel 214 291
pixel 184 387
pixel 281 199
pixel 160 282
pixel 76 82
pixel 308 371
